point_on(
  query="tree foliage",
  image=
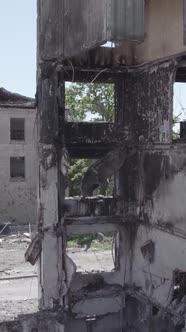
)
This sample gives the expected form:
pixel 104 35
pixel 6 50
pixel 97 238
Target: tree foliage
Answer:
pixel 90 101
pixel 176 134
pixel 77 170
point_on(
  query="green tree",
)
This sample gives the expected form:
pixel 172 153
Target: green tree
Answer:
pixel 77 169
pixel 176 119
pixel 88 102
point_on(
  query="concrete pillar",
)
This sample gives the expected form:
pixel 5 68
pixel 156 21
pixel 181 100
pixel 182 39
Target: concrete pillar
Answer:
pixel 51 190
pixel 144 107
pixel 144 103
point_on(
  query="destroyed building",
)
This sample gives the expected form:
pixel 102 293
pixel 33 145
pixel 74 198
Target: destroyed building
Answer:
pixel 18 162
pixel 146 291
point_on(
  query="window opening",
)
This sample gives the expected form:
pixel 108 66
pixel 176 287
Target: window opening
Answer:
pixel 94 252
pixel 179 112
pixel 17 167
pixel 155 310
pixel 179 285
pixel 17 129
pixel 77 170
pixel 89 102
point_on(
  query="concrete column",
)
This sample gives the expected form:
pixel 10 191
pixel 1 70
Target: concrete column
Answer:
pixel 51 190
pixel 144 107
pixel 144 103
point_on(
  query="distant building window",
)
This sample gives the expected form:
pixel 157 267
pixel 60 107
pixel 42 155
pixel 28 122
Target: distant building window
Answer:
pixel 17 129
pixel 17 167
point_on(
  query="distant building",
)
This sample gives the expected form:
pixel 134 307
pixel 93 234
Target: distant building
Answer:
pixel 18 158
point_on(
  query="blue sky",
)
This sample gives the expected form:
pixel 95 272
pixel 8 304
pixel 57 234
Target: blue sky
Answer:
pixel 18 46
pixel 180 99
pixel 18 51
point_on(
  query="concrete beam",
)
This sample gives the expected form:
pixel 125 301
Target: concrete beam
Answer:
pixel 93 140
pixel 99 220
pixel 92 207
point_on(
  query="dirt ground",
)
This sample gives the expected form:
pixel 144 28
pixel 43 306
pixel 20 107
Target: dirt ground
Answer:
pixel 18 279
pixel 17 296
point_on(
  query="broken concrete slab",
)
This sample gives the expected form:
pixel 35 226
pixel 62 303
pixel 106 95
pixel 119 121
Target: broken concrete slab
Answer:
pixel 38 322
pixel 33 252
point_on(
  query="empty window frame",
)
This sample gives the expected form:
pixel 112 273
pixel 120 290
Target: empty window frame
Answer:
pixel 17 129
pixel 94 252
pixel 77 170
pixel 93 102
pixel 179 285
pixel 17 167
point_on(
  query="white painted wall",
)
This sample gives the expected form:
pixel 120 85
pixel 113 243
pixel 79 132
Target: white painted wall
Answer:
pixel 18 199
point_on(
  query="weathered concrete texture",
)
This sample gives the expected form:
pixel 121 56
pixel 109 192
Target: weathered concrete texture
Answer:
pixel 115 322
pixel 59 22
pixel 152 184
pixel 140 316
pixel 50 218
pixel 109 323
pixel 90 23
pixel 136 316
pixel 144 103
pixel 169 197
pixel 97 299
pixel 93 140
pixel 155 190
pixel 39 322
pixel 154 280
pixel 91 206
pixel 102 170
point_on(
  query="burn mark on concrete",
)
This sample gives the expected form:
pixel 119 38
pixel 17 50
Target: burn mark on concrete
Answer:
pixel 156 167
pixel 131 229
pixel 148 251
pixel 93 140
pixel 96 284
pixel 48 158
pixel 146 97
pixel 101 170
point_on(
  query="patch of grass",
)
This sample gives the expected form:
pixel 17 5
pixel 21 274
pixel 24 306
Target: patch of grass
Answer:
pixel 72 244
pixel 83 240
pixel 102 246
pixel 94 245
